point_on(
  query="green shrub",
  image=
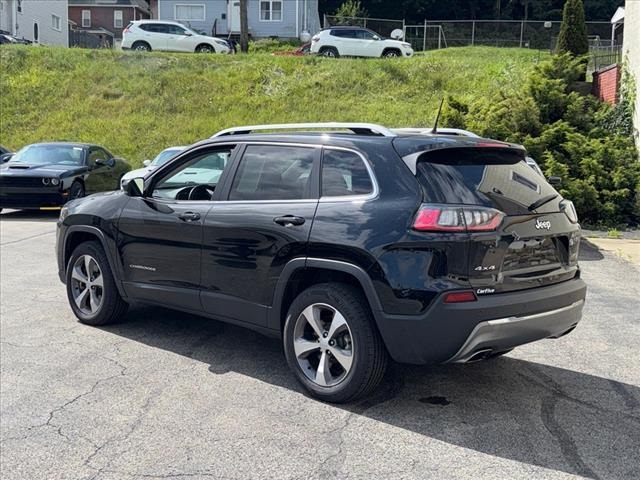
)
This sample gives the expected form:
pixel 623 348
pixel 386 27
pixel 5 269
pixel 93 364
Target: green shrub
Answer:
pixel 573 30
pixel 579 138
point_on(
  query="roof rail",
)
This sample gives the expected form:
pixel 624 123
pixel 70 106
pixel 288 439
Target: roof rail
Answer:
pixel 358 128
pixel 440 131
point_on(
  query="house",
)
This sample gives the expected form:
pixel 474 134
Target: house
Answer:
pixel 266 18
pixel 631 56
pixel 111 15
pixel 39 21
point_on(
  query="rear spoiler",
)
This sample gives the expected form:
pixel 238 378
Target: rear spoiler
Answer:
pixel 411 160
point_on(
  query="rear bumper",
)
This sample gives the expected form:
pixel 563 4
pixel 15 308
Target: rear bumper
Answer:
pixel 465 331
pixel 503 334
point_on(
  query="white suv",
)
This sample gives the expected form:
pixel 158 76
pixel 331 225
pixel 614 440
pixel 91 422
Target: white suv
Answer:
pixel 147 35
pixel 357 42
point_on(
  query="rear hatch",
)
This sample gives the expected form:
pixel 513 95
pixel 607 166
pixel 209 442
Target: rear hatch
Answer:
pixel 532 239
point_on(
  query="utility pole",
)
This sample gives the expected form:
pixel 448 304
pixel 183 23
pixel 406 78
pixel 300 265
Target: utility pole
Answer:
pixel 244 27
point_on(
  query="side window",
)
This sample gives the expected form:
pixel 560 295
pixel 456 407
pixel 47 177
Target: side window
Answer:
pixel 271 172
pixel 175 30
pixel 365 34
pixel 203 170
pixel 344 173
pixel 96 154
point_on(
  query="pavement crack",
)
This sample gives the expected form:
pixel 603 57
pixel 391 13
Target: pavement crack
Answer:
pixel 567 444
pixel 26 238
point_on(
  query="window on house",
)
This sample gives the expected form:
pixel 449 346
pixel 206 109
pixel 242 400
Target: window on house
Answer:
pixel 55 22
pixel 19 6
pixel 117 19
pixel 270 10
pixel 190 12
pixel 86 18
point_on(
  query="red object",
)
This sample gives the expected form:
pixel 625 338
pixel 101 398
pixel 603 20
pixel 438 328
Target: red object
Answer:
pixel 491 145
pixel 460 297
pixel 605 84
pixel 432 218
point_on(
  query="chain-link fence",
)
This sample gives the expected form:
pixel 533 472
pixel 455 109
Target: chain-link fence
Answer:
pixel 513 33
pixel 382 26
pixel 433 34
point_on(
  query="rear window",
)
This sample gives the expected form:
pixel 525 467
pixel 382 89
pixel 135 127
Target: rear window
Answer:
pixel 487 177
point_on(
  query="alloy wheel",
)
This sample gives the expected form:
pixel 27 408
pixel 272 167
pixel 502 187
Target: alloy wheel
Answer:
pixel 323 344
pixel 87 285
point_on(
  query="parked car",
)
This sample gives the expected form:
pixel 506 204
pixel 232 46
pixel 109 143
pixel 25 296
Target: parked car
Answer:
pixel 5 154
pixel 351 247
pixel 147 35
pixel 357 42
pixel 8 39
pixel 47 175
pixel 151 165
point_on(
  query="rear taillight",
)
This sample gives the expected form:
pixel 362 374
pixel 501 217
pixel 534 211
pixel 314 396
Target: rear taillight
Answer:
pixel 315 38
pixel 460 297
pixel 126 29
pixel 445 218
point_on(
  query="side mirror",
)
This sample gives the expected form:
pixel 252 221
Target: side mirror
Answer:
pixel 134 187
pixel 188 34
pixel 555 181
pixel 107 162
pixel 376 37
pixel 6 157
pixel 146 163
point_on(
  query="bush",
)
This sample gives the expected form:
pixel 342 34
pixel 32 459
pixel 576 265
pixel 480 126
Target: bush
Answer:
pixel 573 31
pixel 579 138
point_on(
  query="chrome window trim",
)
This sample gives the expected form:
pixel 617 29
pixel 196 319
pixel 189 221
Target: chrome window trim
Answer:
pixel 342 198
pixel 352 198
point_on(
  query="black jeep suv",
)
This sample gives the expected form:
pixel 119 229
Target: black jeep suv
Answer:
pixel 353 247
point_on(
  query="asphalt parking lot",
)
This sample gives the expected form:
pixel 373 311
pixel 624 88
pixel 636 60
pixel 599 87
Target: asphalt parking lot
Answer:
pixel 168 395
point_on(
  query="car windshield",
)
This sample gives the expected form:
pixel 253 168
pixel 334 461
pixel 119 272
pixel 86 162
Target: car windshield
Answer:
pixel 49 154
pixel 164 156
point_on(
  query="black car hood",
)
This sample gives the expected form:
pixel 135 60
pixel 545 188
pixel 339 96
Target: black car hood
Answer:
pixel 49 170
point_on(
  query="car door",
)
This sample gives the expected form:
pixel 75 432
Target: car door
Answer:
pixel 263 222
pixel 102 174
pixel 155 34
pixel 160 233
pixel 349 43
pixel 368 44
pixel 179 40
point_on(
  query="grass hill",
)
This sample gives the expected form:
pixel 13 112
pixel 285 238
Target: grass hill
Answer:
pixel 138 104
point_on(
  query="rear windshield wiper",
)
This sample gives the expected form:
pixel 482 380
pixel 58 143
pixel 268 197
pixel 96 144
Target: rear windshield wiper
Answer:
pixel 541 201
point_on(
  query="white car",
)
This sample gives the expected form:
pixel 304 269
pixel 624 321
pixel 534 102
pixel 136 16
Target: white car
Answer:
pixel 357 42
pixel 147 35
pixel 150 165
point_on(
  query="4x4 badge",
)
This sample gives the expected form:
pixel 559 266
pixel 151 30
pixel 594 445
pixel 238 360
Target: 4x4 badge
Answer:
pixel 543 224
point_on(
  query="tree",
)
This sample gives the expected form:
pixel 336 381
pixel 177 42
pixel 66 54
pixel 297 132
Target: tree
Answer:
pixel 573 31
pixel 351 8
pixel 244 27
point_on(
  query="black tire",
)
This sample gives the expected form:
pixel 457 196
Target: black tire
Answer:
pixel 369 358
pixel 141 47
pixel 112 308
pixel 391 53
pixel 205 49
pixel 330 52
pixel 76 190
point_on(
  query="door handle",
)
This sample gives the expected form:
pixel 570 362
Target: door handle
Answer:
pixel 289 220
pixel 189 216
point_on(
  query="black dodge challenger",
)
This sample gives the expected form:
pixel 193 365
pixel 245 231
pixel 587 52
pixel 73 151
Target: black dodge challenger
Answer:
pixel 47 175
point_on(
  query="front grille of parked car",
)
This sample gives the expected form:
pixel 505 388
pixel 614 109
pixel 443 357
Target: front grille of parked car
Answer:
pixel 11 181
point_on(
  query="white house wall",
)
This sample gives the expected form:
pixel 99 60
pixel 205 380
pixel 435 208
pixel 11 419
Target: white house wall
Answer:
pixel 21 24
